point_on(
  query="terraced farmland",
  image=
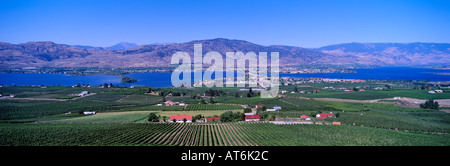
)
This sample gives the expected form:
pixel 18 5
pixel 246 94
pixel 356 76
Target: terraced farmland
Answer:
pixel 205 134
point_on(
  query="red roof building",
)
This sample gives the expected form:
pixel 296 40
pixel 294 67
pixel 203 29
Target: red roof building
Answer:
pixel 180 118
pixel 209 119
pixel 324 115
pixel 257 106
pixel 250 118
pixel 305 117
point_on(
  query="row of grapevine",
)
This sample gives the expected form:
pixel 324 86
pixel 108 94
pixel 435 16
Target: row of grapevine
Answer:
pixel 196 107
pixel 198 134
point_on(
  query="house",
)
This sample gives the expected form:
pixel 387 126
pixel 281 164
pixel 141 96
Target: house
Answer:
pixel 336 123
pixel 158 105
pixel 251 113
pixel 324 115
pixel 270 110
pixel 257 106
pixel 397 98
pixel 212 119
pixel 438 91
pixel 12 95
pixel 378 88
pixel 284 91
pixel 89 112
pixel 277 108
pixel 431 92
pixel 180 118
pixel 361 90
pixel 305 117
pixel 252 118
pixel 83 93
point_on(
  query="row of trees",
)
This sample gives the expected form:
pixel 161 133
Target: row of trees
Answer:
pixel 430 104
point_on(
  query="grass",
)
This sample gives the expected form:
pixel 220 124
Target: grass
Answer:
pixel 138 98
pixel 131 116
pixel 137 116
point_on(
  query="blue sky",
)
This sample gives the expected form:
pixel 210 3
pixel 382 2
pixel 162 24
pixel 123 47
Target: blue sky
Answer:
pixel 312 23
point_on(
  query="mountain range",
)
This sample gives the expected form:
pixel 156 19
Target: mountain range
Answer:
pixel 50 54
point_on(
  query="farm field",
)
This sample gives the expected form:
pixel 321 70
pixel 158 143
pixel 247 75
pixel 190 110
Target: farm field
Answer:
pixel 122 118
pixel 220 134
pixel 374 94
pixel 137 116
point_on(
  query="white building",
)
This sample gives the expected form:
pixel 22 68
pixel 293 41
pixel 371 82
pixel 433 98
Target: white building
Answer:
pixel 83 93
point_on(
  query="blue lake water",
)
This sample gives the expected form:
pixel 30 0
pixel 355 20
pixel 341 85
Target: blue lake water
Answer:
pixel 164 79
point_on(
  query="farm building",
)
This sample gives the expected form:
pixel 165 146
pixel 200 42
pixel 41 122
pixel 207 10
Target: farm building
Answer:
pixel 324 115
pixel 83 93
pixel 180 118
pixel 252 118
pixel 438 91
pixel 305 117
pixel 89 112
pixel 277 108
pixel 211 119
pixel 270 110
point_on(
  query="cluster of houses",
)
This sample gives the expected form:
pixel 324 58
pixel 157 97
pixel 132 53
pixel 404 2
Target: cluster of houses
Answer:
pixel 249 117
pixel 171 103
pixel 183 118
pixel 10 95
pixel 318 116
pixel 330 80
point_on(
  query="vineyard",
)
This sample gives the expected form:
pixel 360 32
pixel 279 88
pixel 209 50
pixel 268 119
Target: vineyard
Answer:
pixel 195 107
pixel 200 134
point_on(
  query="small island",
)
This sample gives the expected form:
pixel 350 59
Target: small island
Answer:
pixel 127 79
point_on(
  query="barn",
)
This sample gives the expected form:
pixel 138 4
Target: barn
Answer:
pixel 180 118
pixel 325 115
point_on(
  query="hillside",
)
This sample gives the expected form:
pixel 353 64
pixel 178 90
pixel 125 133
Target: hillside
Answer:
pixel 49 54
pixel 392 53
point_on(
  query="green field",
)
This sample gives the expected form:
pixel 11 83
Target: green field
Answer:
pixel 137 116
pixel 122 115
pixel 375 94
pixel 225 134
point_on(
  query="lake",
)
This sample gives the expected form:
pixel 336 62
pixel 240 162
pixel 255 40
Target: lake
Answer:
pixel 159 80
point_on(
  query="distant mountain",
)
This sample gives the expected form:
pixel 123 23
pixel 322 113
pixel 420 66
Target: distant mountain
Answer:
pixel 392 53
pixel 49 54
pixel 123 46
